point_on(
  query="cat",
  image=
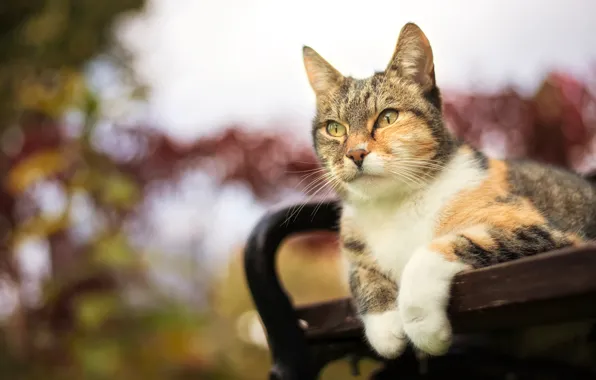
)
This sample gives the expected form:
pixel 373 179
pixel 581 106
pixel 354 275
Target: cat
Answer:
pixel 418 205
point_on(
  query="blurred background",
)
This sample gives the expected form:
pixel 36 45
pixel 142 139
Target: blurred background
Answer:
pixel 141 140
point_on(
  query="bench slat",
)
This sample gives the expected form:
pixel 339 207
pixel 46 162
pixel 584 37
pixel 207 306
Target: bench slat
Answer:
pixel 547 288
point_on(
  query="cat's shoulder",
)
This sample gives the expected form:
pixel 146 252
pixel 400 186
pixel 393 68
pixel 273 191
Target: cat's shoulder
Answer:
pixel 515 173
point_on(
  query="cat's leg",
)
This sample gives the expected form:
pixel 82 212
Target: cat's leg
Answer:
pixel 426 280
pixel 424 296
pixel 376 299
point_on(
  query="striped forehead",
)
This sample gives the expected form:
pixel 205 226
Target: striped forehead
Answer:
pixel 356 101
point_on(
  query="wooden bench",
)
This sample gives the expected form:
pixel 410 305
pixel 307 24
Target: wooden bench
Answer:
pixel 553 287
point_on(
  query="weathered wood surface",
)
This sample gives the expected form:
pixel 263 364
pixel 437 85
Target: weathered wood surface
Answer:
pixel 548 288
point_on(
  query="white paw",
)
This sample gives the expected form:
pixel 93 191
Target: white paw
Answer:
pixel 428 329
pixel 423 299
pixel 385 333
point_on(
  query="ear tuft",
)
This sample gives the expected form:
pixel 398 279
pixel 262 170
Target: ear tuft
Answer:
pixel 413 57
pixel 321 75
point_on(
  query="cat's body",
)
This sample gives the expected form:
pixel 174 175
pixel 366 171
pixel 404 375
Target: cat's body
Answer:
pixel 420 207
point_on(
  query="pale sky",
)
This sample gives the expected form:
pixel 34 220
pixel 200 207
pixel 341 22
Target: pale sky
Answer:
pixel 212 62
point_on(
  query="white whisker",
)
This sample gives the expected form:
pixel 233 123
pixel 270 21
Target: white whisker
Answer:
pixel 317 186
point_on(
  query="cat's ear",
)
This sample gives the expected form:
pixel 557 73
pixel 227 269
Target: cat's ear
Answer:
pixel 322 76
pixel 413 57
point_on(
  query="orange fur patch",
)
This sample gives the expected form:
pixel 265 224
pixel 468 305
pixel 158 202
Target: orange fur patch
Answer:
pixel 354 140
pixel 446 245
pixel 413 133
pixel 481 205
pixel 480 236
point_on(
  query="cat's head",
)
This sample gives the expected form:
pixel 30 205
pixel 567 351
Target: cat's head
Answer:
pixel 383 134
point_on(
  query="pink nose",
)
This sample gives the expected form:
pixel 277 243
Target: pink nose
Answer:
pixel 357 155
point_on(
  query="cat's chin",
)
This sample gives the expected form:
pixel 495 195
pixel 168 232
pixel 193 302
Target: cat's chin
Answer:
pixel 370 187
pixel 365 177
pixel 365 180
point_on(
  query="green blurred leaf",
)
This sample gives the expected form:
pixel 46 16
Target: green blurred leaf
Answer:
pixel 36 167
pixel 64 88
pixel 118 190
pixel 114 251
pixel 101 360
pixel 93 310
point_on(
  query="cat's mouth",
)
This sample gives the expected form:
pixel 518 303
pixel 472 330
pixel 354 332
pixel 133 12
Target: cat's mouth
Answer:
pixel 362 176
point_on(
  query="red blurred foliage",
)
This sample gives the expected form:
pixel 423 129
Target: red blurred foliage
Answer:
pixel 556 125
pixel 266 162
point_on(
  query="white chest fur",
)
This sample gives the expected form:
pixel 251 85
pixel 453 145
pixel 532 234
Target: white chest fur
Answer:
pixel 393 230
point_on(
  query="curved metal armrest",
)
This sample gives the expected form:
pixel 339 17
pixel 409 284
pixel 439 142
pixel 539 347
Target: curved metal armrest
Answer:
pixel 287 342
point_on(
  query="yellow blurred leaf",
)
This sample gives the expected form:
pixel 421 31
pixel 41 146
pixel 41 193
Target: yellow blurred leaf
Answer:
pixel 93 310
pixel 66 90
pixel 119 190
pixel 34 168
pixel 176 346
pixel 45 26
pixel 39 226
pixel 101 359
pixel 114 251
pixel 81 180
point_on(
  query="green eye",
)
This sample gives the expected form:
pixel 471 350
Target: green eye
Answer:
pixel 386 118
pixel 335 129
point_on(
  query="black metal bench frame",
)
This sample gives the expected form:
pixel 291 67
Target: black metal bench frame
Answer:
pixel 548 288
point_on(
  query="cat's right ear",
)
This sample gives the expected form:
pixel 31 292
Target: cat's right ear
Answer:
pixel 413 57
pixel 322 76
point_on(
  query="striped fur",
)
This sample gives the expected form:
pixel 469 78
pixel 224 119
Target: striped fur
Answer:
pixel 424 206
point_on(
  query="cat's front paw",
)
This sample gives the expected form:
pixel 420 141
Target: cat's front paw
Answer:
pixel 385 333
pixel 423 299
pixel 428 328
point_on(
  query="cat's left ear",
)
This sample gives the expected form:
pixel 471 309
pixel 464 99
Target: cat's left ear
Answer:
pixel 413 57
pixel 322 76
